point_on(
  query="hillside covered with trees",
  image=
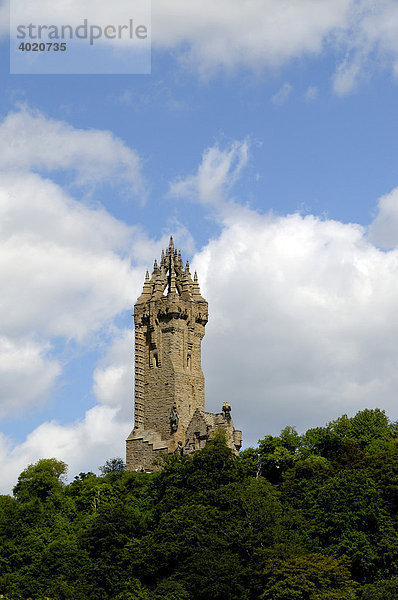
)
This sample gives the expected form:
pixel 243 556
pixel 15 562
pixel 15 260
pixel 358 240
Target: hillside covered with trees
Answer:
pixel 300 517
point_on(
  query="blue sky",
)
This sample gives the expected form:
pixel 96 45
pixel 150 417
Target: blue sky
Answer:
pixel 266 156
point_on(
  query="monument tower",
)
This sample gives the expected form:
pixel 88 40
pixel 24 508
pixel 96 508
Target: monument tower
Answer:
pixel 169 389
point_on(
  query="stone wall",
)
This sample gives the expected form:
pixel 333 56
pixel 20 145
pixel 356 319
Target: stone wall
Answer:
pixel 204 425
pixel 143 451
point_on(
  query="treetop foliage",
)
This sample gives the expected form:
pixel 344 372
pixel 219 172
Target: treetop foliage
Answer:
pixel 113 465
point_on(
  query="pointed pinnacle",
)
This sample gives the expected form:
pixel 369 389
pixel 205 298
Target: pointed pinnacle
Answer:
pixel 155 266
pixel 162 260
pixel 147 275
pixel 195 277
pixel 187 266
pixel 172 287
pixel 171 243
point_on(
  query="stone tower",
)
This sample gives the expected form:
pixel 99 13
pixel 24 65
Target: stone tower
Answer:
pixel 169 390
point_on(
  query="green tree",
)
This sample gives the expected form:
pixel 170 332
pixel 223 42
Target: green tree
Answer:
pixel 381 590
pixel 305 577
pixel 113 465
pixel 41 480
pixel 170 590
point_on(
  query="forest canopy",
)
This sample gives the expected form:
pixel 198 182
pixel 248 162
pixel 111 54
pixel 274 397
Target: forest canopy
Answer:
pixel 299 517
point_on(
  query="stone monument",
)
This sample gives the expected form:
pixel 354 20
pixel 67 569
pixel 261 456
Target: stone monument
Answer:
pixel 169 389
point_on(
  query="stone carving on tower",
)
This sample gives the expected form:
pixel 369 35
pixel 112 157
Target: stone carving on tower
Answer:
pixel 169 388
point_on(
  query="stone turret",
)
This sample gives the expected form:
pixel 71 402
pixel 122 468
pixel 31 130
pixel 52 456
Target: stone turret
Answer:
pixel 169 390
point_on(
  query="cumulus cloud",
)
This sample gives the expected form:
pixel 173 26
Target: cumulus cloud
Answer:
pixel 303 322
pixel 30 141
pixel 64 276
pixel 61 272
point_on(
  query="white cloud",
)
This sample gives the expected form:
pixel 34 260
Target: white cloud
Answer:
pixel 303 322
pixel 384 230
pixel 217 173
pixel 31 141
pixel 370 41
pixel 113 378
pixel 64 275
pixel 282 94
pixel 255 34
pixel 269 33
pixel 258 32
pixel 347 75
pixel 261 34
pixel 60 268
pixel 26 374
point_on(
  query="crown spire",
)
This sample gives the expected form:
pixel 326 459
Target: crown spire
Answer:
pixel 170 277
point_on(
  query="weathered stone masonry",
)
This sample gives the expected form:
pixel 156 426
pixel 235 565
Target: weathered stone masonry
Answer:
pixel 169 390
